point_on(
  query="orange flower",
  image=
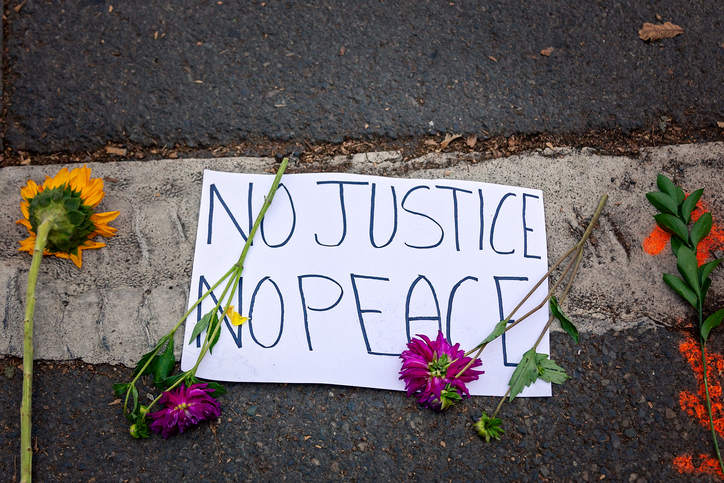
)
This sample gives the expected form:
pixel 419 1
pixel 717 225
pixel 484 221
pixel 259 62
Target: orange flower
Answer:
pixel 68 199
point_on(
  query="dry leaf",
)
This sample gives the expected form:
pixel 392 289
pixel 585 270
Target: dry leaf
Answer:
pixel 430 142
pixel 658 32
pixel 549 145
pixel 114 150
pixel 341 51
pixel 110 8
pixel 114 402
pixel 471 140
pixel 155 35
pixel 19 6
pixel 547 52
pixel 720 124
pixel 448 139
pixel 492 58
pixel 25 161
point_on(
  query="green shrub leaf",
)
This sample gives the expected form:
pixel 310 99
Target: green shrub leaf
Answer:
pixel 701 228
pixel 549 371
pixel 711 322
pixel 681 288
pixel 201 325
pixel 497 332
pixel 524 375
pixel 663 202
pixel 563 319
pixel 673 225
pixel 689 204
pixel 689 269
pixel 668 187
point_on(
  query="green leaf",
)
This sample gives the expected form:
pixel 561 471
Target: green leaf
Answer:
pixel 706 269
pixel 170 381
pixel 689 205
pixel 705 288
pixel 549 371
pixel 663 202
pixel 689 269
pixel 668 187
pixel 149 356
pixel 132 412
pixel 163 365
pixel 701 228
pixel 213 330
pixel 201 325
pixel 120 390
pixel 497 332
pixel 711 322
pixel 673 225
pixel 524 375
pixel 681 288
pixel 564 320
pixel 675 245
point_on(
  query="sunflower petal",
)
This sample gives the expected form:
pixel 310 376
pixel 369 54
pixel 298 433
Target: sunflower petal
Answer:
pixel 24 207
pixel 25 223
pixel 29 191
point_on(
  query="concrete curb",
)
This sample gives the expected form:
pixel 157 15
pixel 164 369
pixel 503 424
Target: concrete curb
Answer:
pixel 131 292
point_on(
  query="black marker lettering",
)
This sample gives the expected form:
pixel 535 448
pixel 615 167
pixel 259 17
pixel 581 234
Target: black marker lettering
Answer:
pixel 442 232
pixel 341 204
pixel 492 227
pixel 305 307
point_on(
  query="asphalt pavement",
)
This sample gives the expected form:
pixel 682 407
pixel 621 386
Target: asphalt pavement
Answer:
pixel 81 74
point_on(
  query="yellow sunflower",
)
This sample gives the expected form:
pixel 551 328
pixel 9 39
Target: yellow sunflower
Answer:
pixel 68 200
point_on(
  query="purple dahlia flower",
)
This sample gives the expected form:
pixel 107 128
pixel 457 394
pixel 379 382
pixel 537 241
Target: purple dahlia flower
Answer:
pixel 429 369
pixel 184 407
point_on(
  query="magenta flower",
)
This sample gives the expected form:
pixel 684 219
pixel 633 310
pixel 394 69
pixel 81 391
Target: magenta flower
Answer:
pixel 184 408
pixel 429 369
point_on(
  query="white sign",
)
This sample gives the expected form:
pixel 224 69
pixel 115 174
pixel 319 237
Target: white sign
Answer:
pixel 345 269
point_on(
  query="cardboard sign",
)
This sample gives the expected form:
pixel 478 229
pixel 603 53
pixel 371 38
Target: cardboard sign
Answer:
pixel 345 269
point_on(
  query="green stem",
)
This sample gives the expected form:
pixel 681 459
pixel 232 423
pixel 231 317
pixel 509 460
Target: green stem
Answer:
pixel 706 389
pixel 239 266
pixel 26 450
pixel 500 404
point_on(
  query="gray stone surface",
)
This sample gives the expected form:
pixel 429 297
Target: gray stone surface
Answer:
pixel 131 292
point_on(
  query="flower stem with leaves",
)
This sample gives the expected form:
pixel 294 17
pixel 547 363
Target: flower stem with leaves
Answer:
pixel 534 366
pixel 675 217
pixel 160 361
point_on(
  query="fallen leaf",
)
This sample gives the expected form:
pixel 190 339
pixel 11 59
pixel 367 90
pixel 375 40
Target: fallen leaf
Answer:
pixel 547 52
pixel 448 139
pixel 549 145
pixel 492 58
pixel 471 140
pixel 110 8
pixel 720 124
pixel 155 35
pixel 25 161
pixel 430 142
pixel 115 150
pixel 114 402
pixel 19 6
pixel 341 51
pixel 659 31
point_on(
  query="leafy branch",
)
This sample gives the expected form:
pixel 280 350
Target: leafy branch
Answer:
pixel 676 215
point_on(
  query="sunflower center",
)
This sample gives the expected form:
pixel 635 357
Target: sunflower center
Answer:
pixel 438 366
pixel 70 218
